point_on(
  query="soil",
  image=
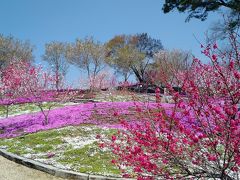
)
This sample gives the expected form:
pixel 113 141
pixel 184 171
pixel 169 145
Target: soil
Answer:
pixel 12 171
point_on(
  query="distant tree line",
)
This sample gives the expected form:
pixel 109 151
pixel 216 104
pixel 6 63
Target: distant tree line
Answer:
pixel 126 54
pixel 137 55
pixel 12 49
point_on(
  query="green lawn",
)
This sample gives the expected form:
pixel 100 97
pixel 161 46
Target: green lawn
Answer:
pixel 73 147
pixel 26 108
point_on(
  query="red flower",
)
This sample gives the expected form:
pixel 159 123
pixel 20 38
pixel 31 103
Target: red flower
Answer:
pixel 214 57
pixel 98 136
pixel 101 145
pixel 114 138
pixel 212 157
pixel 215 46
pixel 113 161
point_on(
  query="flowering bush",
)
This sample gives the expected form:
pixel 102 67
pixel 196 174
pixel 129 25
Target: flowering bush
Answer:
pixel 198 138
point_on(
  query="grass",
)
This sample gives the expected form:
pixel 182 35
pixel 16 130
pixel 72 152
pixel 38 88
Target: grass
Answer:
pixel 123 96
pixel 88 158
pixel 26 108
pixel 38 142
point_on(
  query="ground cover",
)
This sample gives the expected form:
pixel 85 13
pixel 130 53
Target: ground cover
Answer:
pixel 71 148
pixel 124 96
pixel 26 108
pixel 69 140
pixel 64 116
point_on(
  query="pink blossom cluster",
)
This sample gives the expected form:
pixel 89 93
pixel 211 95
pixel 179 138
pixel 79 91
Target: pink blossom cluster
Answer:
pixel 198 138
pixel 21 82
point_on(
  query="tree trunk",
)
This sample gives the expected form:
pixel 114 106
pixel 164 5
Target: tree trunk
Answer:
pixel 137 74
pixel 7 111
pixel 125 78
pixel 45 121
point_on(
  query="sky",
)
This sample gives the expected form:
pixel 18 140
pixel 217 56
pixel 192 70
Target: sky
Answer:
pixel 43 21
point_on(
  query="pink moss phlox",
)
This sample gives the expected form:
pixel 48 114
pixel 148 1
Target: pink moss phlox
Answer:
pixel 64 116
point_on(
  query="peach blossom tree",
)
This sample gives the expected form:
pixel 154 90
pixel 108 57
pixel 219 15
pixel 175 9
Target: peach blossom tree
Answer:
pixel 199 137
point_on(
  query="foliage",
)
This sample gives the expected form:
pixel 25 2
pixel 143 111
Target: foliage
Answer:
pixel 148 45
pixel 121 54
pixel 200 9
pixel 131 54
pixel 229 24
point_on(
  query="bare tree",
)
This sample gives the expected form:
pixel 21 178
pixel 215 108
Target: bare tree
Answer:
pixel 55 56
pixel 14 49
pixel 88 55
pixel 167 64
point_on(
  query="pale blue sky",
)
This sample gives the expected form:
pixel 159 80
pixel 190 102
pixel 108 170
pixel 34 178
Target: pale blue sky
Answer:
pixel 42 21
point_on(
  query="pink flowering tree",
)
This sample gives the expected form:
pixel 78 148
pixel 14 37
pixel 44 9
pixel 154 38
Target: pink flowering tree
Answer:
pixel 11 86
pixel 39 87
pixel 103 80
pixel 23 83
pixel 199 137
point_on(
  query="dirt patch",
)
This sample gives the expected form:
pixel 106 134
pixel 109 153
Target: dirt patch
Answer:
pixel 12 171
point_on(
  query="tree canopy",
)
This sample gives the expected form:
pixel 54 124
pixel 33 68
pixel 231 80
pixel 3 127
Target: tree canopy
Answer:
pixel 132 54
pixel 87 54
pixel 55 56
pixel 167 65
pixel 13 49
pixel 121 54
pixel 200 8
pixel 148 45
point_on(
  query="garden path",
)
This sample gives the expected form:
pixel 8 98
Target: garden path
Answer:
pixel 10 170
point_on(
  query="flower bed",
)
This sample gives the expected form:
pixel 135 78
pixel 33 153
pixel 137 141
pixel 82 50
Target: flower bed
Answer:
pixel 65 116
pixel 72 148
